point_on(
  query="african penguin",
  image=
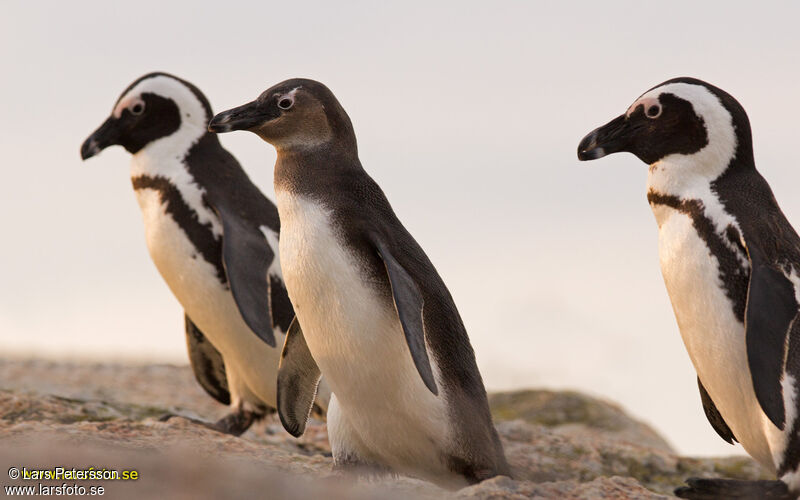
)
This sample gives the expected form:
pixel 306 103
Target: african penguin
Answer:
pixel 373 315
pixel 213 237
pixel 731 264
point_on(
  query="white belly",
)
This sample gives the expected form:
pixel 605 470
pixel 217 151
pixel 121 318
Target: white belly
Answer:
pixel 357 341
pixel 714 337
pixel 251 365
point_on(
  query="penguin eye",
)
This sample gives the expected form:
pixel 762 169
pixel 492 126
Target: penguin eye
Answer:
pixel 285 103
pixel 653 111
pixel 137 109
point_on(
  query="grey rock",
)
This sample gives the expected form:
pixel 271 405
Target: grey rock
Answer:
pixel 560 445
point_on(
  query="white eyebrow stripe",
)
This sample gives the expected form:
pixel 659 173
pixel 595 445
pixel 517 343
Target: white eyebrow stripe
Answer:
pixel 291 93
pixel 163 86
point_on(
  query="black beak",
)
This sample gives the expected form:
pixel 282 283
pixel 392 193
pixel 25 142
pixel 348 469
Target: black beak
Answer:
pixel 105 136
pixel 244 117
pixel 612 137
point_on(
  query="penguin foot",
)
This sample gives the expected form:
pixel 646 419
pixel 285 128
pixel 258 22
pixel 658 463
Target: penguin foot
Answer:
pixel 361 468
pixel 234 423
pixel 713 489
pixel 475 473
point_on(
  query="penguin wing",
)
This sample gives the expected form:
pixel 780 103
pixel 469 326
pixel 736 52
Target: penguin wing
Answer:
pixel 246 256
pixel 298 379
pixel 409 304
pixel 207 364
pixel 771 308
pixel 713 415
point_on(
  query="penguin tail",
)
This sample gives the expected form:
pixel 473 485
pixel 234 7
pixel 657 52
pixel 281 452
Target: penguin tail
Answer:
pixel 707 489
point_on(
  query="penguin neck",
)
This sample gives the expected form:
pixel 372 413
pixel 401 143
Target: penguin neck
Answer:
pixel 310 171
pixel 327 142
pixel 161 166
pixel 696 176
pixel 682 179
pixel 700 189
pixel 672 184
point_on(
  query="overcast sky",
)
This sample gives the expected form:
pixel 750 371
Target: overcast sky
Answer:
pixel 468 115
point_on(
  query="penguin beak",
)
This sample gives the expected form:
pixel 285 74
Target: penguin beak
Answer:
pixel 613 137
pixel 245 117
pixel 105 136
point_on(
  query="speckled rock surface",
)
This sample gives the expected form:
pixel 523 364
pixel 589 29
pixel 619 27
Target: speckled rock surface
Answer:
pixel 560 444
pixel 574 414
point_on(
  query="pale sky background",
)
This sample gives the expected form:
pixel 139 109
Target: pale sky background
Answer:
pixel 468 115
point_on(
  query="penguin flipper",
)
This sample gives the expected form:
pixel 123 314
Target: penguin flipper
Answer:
pixel 409 304
pixel 714 417
pixel 298 379
pixel 207 364
pixel 771 308
pixel 246 256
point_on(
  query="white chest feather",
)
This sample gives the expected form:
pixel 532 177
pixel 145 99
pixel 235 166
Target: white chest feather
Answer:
pixel 192 279
pixel 356 339
pixel 714 337
pixel 179 262
pixel 251 365
pixel 162 161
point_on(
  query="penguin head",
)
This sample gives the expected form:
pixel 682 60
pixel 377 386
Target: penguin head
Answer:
pixel 684 122
pixel 292 115
pixel 153 107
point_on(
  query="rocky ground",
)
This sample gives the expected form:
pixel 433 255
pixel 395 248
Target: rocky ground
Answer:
pixel 561 445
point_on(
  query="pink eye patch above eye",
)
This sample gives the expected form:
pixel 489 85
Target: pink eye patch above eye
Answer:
pixel 647 102
pixel 126 103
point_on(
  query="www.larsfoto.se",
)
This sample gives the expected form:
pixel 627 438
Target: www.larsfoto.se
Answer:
pixel 64 489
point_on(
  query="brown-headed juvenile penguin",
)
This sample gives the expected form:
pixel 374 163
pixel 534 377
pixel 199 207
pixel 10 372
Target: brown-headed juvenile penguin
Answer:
pixel 213 237
pixel 731 264
pixel 373 315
